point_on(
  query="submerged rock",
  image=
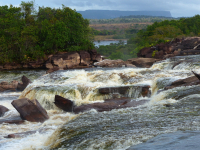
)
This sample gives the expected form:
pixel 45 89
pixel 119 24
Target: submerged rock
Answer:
pixel 127 91
pixel 110 104
pixel 4 86
pixel 183 82
pixel 142 62
pixel 3 110
pixel 107 105
pixel 12 120
pixel 30 110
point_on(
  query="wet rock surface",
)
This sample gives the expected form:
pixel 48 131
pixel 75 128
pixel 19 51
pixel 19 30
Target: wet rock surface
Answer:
pixel 3 110
pixel 12 120
pixel 176 47
pixel 107 105
pixel 30 110
pixel 64 104
pixel 142 62
pixel 126 91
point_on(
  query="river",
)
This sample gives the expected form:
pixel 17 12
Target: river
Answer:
pixel 152 125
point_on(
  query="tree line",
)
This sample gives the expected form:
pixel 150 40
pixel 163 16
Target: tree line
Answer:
pixel 27 34
pixel 158 32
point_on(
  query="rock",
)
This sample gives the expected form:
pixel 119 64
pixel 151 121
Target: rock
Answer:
pixel 3 110
pixel 9 66
pixel 130 65
pixel 84 58
pixel 12 120
pixel 196 75
pixel 146 52
pixel 53 69
pixel 30 110
pixel 110 63
pixel 95 57
pixel 36 64
pixel 66 60
pixel 24 84
pixel 20 135
pixel 64 104
pixel 125 91
pixel 8 86
pixel 183 82
pixel 108 105
pixel 142 62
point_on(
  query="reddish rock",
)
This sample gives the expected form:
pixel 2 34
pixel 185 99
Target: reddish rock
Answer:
pixel 12 120
pixel 10 66
pixel 36 64
pixel 53 69
pixel 20 135
pixel 30 110
pixel 159 55
pixel 124 90
pixel 64 104
pixel 84 58
pixel 108 105
pixel 147 50
pixel 66 60
pixel 95 57
pixel 142 62
pixel 3 110
pixel 24 84
pixel 111 63
pixel 8 86
pixel 183 82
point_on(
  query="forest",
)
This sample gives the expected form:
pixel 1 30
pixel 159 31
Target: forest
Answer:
pixel 158 32
pixel 27 34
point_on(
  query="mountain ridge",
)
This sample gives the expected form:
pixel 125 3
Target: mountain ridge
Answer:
pixel 110 14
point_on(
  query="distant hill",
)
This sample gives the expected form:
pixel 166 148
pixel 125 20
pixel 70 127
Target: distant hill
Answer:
pixel 109 14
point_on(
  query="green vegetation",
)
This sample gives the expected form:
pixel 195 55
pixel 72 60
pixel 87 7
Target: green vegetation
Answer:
pixel 26 34
pixel 130 19
pixel 158 32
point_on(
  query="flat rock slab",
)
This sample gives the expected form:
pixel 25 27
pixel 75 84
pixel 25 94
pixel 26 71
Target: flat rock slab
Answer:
pixel 12 120
pixel 127 91
pixel 184 82
pixel 109 105
pixel 30 110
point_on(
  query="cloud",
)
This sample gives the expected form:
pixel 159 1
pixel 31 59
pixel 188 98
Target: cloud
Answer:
pixel 177 8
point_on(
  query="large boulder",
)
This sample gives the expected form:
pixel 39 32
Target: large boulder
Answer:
pixel 110 63
pixel 8 86
pixel 107 105
pixel 66 60
pixel 142 62
pixel 24 84
pixel 30 110
pixel 64 104
pixel 95 57
pixel 3 110
pixel 84 58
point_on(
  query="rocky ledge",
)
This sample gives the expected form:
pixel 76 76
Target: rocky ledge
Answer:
pixel 176 47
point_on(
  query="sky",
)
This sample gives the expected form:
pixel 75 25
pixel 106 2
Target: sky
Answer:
pixel 178 8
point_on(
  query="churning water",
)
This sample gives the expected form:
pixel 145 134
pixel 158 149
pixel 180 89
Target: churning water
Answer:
pixel 116 129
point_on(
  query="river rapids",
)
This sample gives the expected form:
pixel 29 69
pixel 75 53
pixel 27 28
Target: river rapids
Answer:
pixel 118 129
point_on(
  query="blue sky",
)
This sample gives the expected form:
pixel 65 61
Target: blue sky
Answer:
pixel 178 8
